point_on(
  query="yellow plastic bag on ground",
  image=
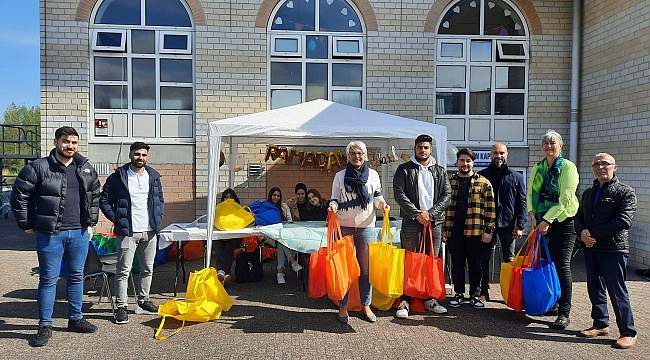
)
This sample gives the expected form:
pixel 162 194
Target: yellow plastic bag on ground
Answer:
pixel 386 263
pixel 205 300
pixel 228 215
pixel 506 268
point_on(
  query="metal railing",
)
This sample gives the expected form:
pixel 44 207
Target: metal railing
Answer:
pixel 20 141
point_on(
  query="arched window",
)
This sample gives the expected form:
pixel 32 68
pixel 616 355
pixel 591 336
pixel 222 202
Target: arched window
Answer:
pixel 142 71
pixel 481 72
pixel 317 51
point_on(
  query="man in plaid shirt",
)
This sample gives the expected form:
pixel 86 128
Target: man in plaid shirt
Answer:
pixel 469 225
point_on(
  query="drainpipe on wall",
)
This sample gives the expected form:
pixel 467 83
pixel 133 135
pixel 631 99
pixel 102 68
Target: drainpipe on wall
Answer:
pixel 575 83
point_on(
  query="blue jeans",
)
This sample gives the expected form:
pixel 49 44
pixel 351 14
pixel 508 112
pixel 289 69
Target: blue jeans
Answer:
pixel 608 271
pixel 362 237
pixel 71 246
pixel 284 253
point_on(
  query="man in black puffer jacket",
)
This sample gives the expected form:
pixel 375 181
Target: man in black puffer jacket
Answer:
pixel 132 199
pixel 57 198
pixel 603 219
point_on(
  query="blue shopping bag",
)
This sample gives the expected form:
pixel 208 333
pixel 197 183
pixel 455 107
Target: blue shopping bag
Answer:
pixel 541 285
pixel 265 213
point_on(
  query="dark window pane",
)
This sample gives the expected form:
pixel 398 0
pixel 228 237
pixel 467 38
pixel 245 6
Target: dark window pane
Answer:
pixel 109 39
pixel 110 97
pixel 513 49
pixel 501 19
pixel 509 104
pixel 175 42
pixel 119 12
pixel 144 84
pixel 499 59
pixel 110 68
pixel 143 42
pixel 317 47
pixel 166 13
pixel 462 19
pixel 295 15
pixel 176 98
pixel 176 70
pixel 513 77
pixel 337 15
pixel 347 75
pixel 316 81
pixel 286 73
pixel 450 103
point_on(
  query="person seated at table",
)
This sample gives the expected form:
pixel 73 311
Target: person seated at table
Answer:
pixel 284 253
pixel 224 250
pixel 298 203
pixel 316 207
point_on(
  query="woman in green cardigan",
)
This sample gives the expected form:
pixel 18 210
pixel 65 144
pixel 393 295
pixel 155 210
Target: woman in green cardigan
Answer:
pixel 552 205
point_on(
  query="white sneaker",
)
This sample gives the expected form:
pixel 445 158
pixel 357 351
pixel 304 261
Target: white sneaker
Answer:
pixel 295 266
pixel 402 310
pixel 433 305
pixel 280 277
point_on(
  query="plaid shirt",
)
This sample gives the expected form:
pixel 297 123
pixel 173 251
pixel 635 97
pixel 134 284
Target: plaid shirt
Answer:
pixel 481 209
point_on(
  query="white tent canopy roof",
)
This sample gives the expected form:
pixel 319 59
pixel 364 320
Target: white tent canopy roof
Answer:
pixel 316 122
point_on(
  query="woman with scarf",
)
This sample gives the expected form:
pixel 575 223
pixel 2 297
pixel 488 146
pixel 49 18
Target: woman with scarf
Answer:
pixel 552 205
pixel 356 193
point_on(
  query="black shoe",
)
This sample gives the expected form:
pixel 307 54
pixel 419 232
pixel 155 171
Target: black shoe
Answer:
pixel 552 311
pixel 561 323
pixel 81 326
pixel 42 336
pixel 457 301
pixel 146 308
pixel 122 315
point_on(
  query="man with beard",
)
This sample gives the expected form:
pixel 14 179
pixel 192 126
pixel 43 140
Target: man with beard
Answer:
pixel 132 199
pixel 57 199
pixel 423 193
pixel 469 226
pixel 509 189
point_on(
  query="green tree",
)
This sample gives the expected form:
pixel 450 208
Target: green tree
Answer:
pixel 19 115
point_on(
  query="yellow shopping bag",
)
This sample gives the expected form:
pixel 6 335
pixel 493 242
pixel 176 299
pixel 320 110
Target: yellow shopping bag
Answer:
pixel 381 301
pixel 506 268
pixel 386 263
pixel 228 215
pixel 205 300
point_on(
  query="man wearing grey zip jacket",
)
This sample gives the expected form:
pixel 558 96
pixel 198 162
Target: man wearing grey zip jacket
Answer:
pixel 422 190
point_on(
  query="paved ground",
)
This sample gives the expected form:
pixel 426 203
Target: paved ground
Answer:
pixel 280 321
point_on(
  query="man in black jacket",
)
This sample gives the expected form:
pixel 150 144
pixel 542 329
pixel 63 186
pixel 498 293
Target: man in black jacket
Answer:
pixel 423 193
pixel 57 199
pixel 603 219
pixel 509 189
pixel 132 199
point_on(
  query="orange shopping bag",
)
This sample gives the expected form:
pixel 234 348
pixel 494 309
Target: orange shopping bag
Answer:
pixel 317 286
pixel 423 274
pixel 342 267
pixel 515 299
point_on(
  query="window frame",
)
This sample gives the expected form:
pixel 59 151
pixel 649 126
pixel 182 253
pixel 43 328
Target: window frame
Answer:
pixel 339 54
pixel 274 52
pixel 95 35
pixel 466 61
pixel 129 112
pixel 523 43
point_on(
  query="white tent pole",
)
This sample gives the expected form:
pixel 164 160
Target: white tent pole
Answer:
pixel 384 170
pixel 214 151
pixel 232 163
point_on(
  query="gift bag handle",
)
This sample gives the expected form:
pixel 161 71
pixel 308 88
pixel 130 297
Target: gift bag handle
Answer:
pixel 385 228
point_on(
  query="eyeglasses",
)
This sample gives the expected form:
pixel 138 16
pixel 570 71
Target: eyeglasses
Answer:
pixel 603 164
pixel 357 154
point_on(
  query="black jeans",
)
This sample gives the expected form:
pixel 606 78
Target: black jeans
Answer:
pixel 468 249
pixel 507 249
pixel 561 238
pixel 410 237
pixel 224 251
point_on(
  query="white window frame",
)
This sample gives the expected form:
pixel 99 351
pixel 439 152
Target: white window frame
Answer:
pixel 274 52
pixel 336 53
pixel 439 43
pixel 524 44
pixel 121 48
pixel 161 43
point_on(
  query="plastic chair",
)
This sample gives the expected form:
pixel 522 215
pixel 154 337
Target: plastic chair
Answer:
pixel 93 269
pixel 110 266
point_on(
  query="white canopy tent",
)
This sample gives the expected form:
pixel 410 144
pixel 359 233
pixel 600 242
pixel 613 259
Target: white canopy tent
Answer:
pixel 318 122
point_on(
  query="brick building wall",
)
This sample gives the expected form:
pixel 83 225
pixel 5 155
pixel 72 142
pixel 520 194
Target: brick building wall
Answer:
pixel 615 106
